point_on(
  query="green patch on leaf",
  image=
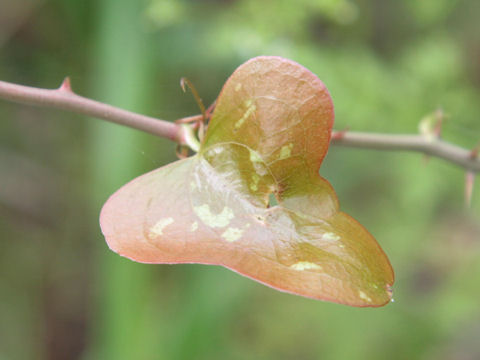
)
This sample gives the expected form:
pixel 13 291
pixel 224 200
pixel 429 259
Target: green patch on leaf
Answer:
pixel 252 199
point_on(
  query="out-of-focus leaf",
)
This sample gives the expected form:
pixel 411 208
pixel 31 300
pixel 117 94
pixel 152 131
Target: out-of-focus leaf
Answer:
pixel 267 137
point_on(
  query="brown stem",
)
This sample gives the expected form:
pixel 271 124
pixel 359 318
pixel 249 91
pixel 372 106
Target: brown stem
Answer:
pixel 418 143
pixel 64 98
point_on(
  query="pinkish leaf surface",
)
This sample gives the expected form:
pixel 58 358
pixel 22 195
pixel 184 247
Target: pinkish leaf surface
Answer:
pixel 267 137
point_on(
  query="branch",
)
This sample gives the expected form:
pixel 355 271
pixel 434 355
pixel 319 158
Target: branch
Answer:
pixel 436 147
pixel 64 98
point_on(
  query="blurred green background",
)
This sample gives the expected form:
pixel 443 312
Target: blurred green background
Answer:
pixel 387 64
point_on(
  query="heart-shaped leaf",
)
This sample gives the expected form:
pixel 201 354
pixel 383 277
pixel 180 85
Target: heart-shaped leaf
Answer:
pixel 266 139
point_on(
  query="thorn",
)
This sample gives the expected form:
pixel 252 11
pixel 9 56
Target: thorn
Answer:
pixel 66 85
pixel 340 134
pixel 475 151
pixel 469 182
pixel 439 116
pixel 430 125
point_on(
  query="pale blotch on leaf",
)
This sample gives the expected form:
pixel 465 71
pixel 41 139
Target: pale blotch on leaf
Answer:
pixel 254 184
pixel 238 87
pixel 194 226
pixel 286 151
pixel 254 157
pixel 232 234
pixel 257 163
pixel 305 265
pixel 217 150
pixel 250 109
pixel 157 229
pixel 364 296
pixel 214 220
pixel 330 236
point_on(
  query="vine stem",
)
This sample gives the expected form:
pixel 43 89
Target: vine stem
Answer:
pixel 432 146
pixel 64 98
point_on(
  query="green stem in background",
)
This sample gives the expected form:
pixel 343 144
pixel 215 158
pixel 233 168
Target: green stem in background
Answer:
pixel 125 322
pixel 64 98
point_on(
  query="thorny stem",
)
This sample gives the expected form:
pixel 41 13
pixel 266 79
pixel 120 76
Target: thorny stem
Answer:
pixel 418 143
pixel 65 98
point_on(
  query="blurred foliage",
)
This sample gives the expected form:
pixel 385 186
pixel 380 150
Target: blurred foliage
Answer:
pixel 386 63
